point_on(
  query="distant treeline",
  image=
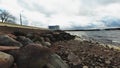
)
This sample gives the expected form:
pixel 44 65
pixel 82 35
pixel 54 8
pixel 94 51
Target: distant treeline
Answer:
pixel 94 29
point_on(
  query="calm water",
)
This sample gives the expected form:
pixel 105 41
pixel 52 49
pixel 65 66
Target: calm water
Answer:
pixel 109 37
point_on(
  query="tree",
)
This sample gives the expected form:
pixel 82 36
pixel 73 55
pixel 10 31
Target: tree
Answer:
pixel 5 16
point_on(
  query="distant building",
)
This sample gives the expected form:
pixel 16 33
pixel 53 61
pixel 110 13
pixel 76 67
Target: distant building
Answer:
pixel 56 27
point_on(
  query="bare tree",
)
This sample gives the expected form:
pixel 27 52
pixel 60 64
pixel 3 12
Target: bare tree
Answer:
pixel 5 16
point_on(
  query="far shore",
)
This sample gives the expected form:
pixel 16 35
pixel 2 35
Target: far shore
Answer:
pixel 106 29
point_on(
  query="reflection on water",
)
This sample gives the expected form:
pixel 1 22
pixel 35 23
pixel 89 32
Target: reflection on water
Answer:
pixel 110 37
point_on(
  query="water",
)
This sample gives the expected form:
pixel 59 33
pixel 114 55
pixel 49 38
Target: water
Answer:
pixel 106 37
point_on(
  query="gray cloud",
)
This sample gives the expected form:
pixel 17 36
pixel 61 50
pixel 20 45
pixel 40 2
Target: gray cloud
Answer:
pixel 111 21
pixel 99 2
pixel 32 6
pixel 0 1
pixel 88 6
pixel 25 5
pixel 41 9
pixel 61 13
pixel 107 21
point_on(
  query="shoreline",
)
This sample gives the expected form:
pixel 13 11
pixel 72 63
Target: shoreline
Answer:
pixel 87 53
pixel 102 44
pixel 70 51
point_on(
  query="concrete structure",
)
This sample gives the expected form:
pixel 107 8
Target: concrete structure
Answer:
pixel 55 27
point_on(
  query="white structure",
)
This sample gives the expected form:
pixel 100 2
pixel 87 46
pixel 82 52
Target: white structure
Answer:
pixel 56 27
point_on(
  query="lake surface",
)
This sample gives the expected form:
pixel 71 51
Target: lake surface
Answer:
pixel 109 37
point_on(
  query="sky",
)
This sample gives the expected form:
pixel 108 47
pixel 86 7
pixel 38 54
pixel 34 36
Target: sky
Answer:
pixel 69 14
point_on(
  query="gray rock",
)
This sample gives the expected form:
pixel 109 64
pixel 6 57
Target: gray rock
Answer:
pixel 85 67
pixel 32 56
pixel 24 40
pixel 38 38
pixel 5 40
pixel 48 44
pixel 47 39
pixel 41 39
pixel 6 60
pixel 56 62
pixel 107 61
pixel 38 56
pixel 74 59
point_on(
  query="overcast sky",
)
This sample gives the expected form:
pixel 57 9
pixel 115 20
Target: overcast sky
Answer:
pixel 66 13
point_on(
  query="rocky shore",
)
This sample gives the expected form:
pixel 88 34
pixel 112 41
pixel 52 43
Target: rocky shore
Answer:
pixel 88 54
pixel 54 49
pixel 20 49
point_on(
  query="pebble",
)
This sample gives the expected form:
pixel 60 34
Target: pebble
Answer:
pixel 107 62
pixel 85 66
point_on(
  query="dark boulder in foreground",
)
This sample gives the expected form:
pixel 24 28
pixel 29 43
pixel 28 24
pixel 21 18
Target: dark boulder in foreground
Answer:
pixel 37 56
pixel 5 40
pixel 32 56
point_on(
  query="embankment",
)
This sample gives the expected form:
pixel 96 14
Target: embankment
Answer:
pixel 35 48
pixel 30 48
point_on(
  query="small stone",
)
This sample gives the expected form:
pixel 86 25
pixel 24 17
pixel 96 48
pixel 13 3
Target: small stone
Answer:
pixel 107 62
pixel 85 66
pixel 47 39
pixel 74 59
pixel 48 44
pixel 56 62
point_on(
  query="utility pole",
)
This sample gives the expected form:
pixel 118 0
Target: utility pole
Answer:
pixel 20 19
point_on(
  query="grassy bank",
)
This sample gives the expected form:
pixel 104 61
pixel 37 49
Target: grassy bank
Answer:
pixel 20 26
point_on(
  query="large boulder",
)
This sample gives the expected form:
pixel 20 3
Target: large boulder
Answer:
pixel 32 56
pixel 19 33
pixel 6 60
pixel 24 40
pixel 37 56
pixel 5 40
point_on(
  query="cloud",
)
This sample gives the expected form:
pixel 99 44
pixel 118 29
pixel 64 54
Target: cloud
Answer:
pixel 52 6
pixel 68 14
pixel 109 10
pixel 99 2
pixel 111 21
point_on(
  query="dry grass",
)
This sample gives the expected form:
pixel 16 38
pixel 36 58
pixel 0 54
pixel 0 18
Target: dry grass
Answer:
pixel 20 26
